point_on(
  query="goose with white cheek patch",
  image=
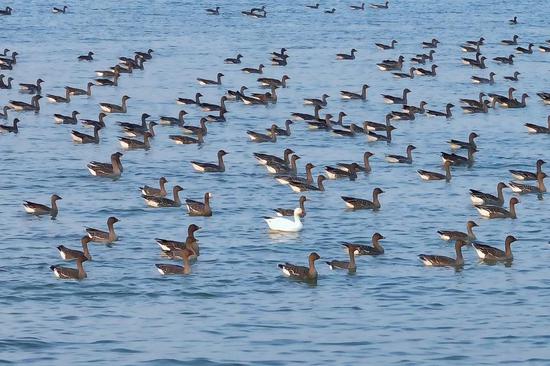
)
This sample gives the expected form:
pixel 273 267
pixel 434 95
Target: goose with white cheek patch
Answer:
pixel 211 167
pixel 497 212
pixel 153 191
pixel 39 209
pixel 290 212
pixel 443 261
pixel 68 254
pixel 525 175
pixel 468 236
pixel 300 272
pixel 525 188
pixel 172 269
pixel 492 254
pixel 349 265
pixel 66 273
pixel 197 208
pixel 533 128
pixel 363 204
pixel 156 201
pixel 104 237
pixel 109 170
pixel 432 176
pixel 375 249
pixel 402 159
pixel 481 198
pixel 285 225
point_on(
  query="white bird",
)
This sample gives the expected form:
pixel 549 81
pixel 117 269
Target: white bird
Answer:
pixel 285 224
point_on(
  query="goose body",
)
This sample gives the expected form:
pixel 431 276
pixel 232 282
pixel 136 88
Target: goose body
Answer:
pixel 22 106
pixel 252 70
pixel 66 273
pixel 88 57
pixel 10 129
pixel 115 108
pixel 443 261
pixel 533 128
pixel 197 208
pixel 345 56
pixel 504 60
pixel 39 209
pixel 526 188
pixel 525 175
pixel 300 272
pixel 390 99
pixel 427 175
pixel 290 212
pixel 211 167
pixel 31 88
pixel 390 158
pixel 112 170
pixel 172 269
pixel 481 198
pixel 233 60
pixel 451 235
pixel 218 80
pixel 351 95
pixel 68 254
pixel 359 203
pixel 153 191
pixel 83 138
pixel 375 249
pixel 300 186
pixel 132 144
pixel 349 265
pixel 66 120
pixel 263 159
pixel 187 140
pixel 187 101
pixel 481 80
pixel 269 82
pixel 489 253
pixel 159 201
pixel 497 212
pixel 104 237
pixel 77 91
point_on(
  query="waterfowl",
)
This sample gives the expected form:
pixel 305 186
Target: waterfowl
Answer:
pixel 172 269
pixel 404 75
pixel 110 73
pixel 60 10
pixel 196 208
pixel 470 144
pixel 383 46
pixel 109 170
pixel 511 42
pixel 133 144
pixel 359 203
pixel 135 63
pixel 331 11
pixel 68 254
pixel 467 237
pixel 345 56
pixel 292 176
pixel 431 44
pixel 207 107
pixel 187 140
pixel 83 138
pixel 513 78
pixel 481 80
pixel 115 108
pixel 352 95
pixel 389 65
pixel 9 62
pixel 211 167
pixel 88 57
pixel 136 126
pixel 480 198
pixel 390 99
pixel 402 116
pixel 145 55
pixel 4 85
pixel 279 61
pixel 474 102
pixel 252 70
pixel 90 123
pixel 6 66
pixel 470 48
pixel 316 6
pixel 269 82
pixel 477 62
pixel 443 261
pixel 218 80
pixel 66 273
pixel 471 109
pixel 196 129
pixel 215 11
pixel 322 124
pixel 157 201
pixel 513 21
pixel 302 187
pixel 306 116
pixel 402 159
pixel 421 58
pixel 420 109
pixel 252 100
pixel 545 97
pixel 375 249
pixel 373 136
pixel 524 175
pixel 234 61
pixel 59 99
pixel 6 11
pixel 299 272
pixel 528 50
pixel 11 129
pixel 533 128
pixel 140 130
pixel 190 101
pixel 543 48
pixel 514 103
pixel 318 102
pixel 458 160
pixel 282 131
pixel 424 72
pixel 191 243
pixel 105 237
pixel 349 265
pixel 349 131
pixel 285 169
pixel 479 42
pixel 219 118
pixel 283 224
pixel 447 114
pixel 22 106
pixel 336 173
pixel 173 121
pixel 263 159
pixel 109 82
pixel 256 12
pixel 66 120
pixel 366 164
pixel 279 54
pixel 4 113
pixel 505 60
pixel 358 7
pixel 489 253
pixel 499 99
pixel 39 209
pixel 525 188
pixel 262 137
pixel 152 191
pixel 290 212
pixel 426 175
pixel 385 5
pixel 497 212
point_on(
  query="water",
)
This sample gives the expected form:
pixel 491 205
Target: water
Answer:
pixel 236 308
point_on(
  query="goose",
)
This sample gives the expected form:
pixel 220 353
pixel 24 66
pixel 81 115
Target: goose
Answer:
pixel 424 72
pixel 108 82
pixel 385 5
pixel 152 191
pixel 470 48
pixel 480 198
pixel 306 116
pixel 302 187
pixel 402 116
pixel 279 223
pixel 421 58
pixel 528 50
pixel 432 44
pixel 83 138
pixel 9 62
pixel 269 82
pixel 68 254
pixel 39 209
pixel 196 129
pixel 109 170
pixel 190 243
pixel 88 57
pixel 262 137
pixel 375 249
pixel 318 102
pixel 219 118
pixel 187 101
pixel 6 11
pixel 279 54
pixel 110 73
pixel 349 265
pixel 359 203
pixel 233 60
pixel 377 126
pixel 316 6
pixel 471 109
pixel 383 46
pixel 211 167
pixel 479 42
pixel 290 212
pixel 467 237
pixel 351 95
pixel 59 99
pixel 470 144
pixel 4 85
pixel 366 164
pixel 323 124
pixel 105 237
pixel 132 144
pixel 60 10
pixel 4 114
pixel 156 201
pixel 489 253
pixel 373 136
pixel 268 97
pixel 215 11
pixel 252 100
pixel 187 140
pixel 136 62
pixel 402 159
pixel 513 21
pixel 458 160
pixel 349 131
pixel 11 129
pixel 497 98
pixel 420 109
pixel 544 48
pixel 173 121
pixel 482 80
pixel 533 128
pixel 172 269
pixel 447 114
pixel 511 42
pixel 474 102
pixel 443 261
pixel 525 175
pixel 404 75
pixel 77 91
pixel 331 11
pixel 358 7
pixel 141 131
pixel 545 97
pixel 264 159
pixel 426 175
pixel 275 167
pixel 252 70
pixel 66 273
pixel 145 55
pixel 505 60
pixel 292 177
pixel 136 126
pixel 207 107
pixel 66 120
pixel 390 99
pixel 471 61
pixel 22 106
pixel 480 64
pixel 515 103
pixel 114 108
pixel 336 173
pixel 301 273
pixel 513 78
pixel 389 65
pixel 196 208
pixel 235 94
pixel 497 212
pixel 345 56
pixel 218 80
pixel 283 131
pixel 525 188
pixel 5 66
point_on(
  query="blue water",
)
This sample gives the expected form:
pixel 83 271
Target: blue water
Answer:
pixel 236 308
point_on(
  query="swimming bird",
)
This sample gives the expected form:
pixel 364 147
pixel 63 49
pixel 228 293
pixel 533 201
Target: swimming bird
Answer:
pixel 351 95
pixel 292 173
pixel 83 138
pixel 383 46
pixel 525 188
pixel 533 128
pixel 404 75
pixel 66 120
pixel 208 107
pixel 285 225
pixel 349 265
pixel 345 56
pixel 336 173
pixel 431 44
pixel 104 237
pixel 4 113
pixel 253 70
pixel 458 160
pixel 375 249
pixel 290 212
pixel 23 106
pixel 78 91
pixel 511 42
pixel 414 109
pixel 481 80
pixel 190 101
pixel 424 72
pixel 157 201
pixel 109 170
pixel 59 99
pixel 467 237
pixel 266 158
pixel 480 64
pixel 39 209
pixel 60 10
pixel 11 129
pixel 172 269
pixel 68 254
pixel 545 97
pixel 136 126
pixel 443 261
pixel 390 158
pixel 218 80
pixel 282 131
pixel 115 108
pixel 302 187
pixel 319 102
pixel 299 272
pixel 112 71
pixel 12 60
pixel 190 243
pixel 373 136
pixel 402 116
pixel 3 85
pixel 421 58
pixel 499 99
pixel 426 175
pixel 480 198
pixel 173 121
pixel 366 164
pixel 66 273
pixel 316 6
pixel 492 254
pixel 197 208
pixel 109 82
pixel 396 100
pixel 497 212
pixel 215 11
pixel 514 103
pixel 132 144
pixel 359 203
pixel 285 169
pixel 331 11
pixel 447 114
pixel 145 55
pixel 6 11
pixel 187 140
pixel 358 7
pixel 269 82
pixel 262 137
pixel 188 129
pixel 513 78
pixel 470 144
pixel 390 65
pixel 543 48
pixel 385 5
pixel 474 102
pixel 219 118
pixel 479 42
pixel 528 50
pixel 152 191
pixel 513 21
pixel 88 57
pixel 505 60
pixel 211 167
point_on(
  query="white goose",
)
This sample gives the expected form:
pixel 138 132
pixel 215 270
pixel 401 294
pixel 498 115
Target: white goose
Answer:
pixel 284 224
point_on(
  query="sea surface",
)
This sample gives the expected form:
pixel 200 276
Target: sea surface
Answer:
pixel 236 308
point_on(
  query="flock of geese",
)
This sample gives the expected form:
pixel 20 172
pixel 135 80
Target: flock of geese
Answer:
pixel 284 168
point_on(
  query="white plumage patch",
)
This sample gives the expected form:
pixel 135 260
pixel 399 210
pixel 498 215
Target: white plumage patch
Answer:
pixel 92 172
pixel 197 167
pixel 476 200
pixel 479 253
pixel 483 212
pixel 295 188
pixel 124 144
pixel 348 204
pixel 76 138
pixel 151 203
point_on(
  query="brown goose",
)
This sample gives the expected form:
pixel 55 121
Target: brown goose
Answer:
pixel 306 116
pixel 292 177
pixel 443 261
pixel 276 167
pixel 514 77
pixel 196 208
pixel 383 46
pixel 68 254
pixel 252 70
pixel 157 201
pixel 66 120
pixel 23 106
pixel 11 129
pixel 4 85
pixel 473 102
pixel 302 187
pixel 431 44
pixel 290 211
pixel 218 80
pixel 31 88
pixel 402 159
pixel 470 144
pixel 351 95
pixel 426 175
pixel 497 212
pixel 390 99
pixel 515 103
pixel 263 159
pixel 282 131
pixel 425 72
pixel 112 170
pixel 525 175
pixel 492 254
pixel 314 101
pixel 105 237
pixel 211 167
pixel 262 137
pixel 480 198
pixel 447 114
pixel 360 204
pixel 66 273
pixel 525 188
pixel 109 82
pixel 404 75
pixel 187 140
pixel 39 209
pixel 349 265
pixel 190 243
pixel 132 144
pixel 269 82
pixel 337 173
pixel 152 191
pixel 187 101
pixel 366 164
pixel 173 121
pixel 172 269
pixel 208 107
pixel 299 272
pixel 375 249
pixel 83 138
pixel 115 108
pixel 77 91
pixel 468 237
pixel 481 80
pixel 533 128
pixel 345 56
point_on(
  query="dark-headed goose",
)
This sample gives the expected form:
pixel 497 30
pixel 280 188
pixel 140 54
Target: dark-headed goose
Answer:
pixel 4 85
pixel 316 6
pixel 83 138
pixel 145 55
pixel 106 237
pixel 458 160
pixel 533 128
pixel 390 158
pixel 492 254
pixel 447 114
pixel 152 191
pixel 219 118
pixel 109 170
pixel 525 188
pixel 211 167
pixel 132 144
pixel 58 98
pixel 484 108
pixel 314 101
pixel 528 50
pixel 68 254
pixel 346 56
pixel 188 129
pixel 156 201
pixel 197 208
pixel 473 102
pixel 60 10
pixel 383 46
pixel 385 5
pixel 366 164
pixel 497 212
pixel 500 99
pixel 233 60
pixel 505 60
pixel 468 237
pixel 190 243
pixel 115 108
pixel 208 107
pixel 66 273
pixel 66 120
pixel 351 95
pixel 39 209
pixel 23 106
pixel 336 173
pixel 108 82
pixel 481 80
pixel 266 158
pixel 88 57
pixel 349 265
pixel 306 116
pixel 215 11
pixel 262 137
pixel 359 203
pixel 511 42
pixel 282 131
pixel 290 212
pixel 292 176
pixel 6 11
pixel 390 65
pixel 414 109
pixel 299 272
pixel 470 144
pixel 78 91
pixel 514 103
pixel 358 7
pixel 513 78
pixel 375 249
pixel 424 72
pixel 11 129
pixel 285 169
pixel 426 175
pixel 135 126
pixel 252 70
pixel 172 269
pixel 443 261
pixel 187 140
pixel 404 75
pixel 543 48
pixel 173 121
pixel 4 113
pixel 187 101
pixel 513 21
pixel 302 187
pixel 481 198
pixel 331 11
pixel 390 99
pixel 218 80
pixel 431 44
pixel 269 82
